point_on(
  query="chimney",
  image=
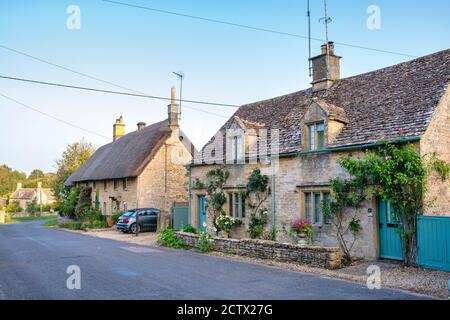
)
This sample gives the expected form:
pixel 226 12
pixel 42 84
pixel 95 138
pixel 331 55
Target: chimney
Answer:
pixel 325 74
pixel 39 185
pixel 141 125
pixel 173 111
pixel 118 129
pixel 19 185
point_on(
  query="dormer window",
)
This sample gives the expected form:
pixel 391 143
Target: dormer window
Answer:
pixel 316 136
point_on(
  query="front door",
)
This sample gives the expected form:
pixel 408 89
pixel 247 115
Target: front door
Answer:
pixel 390 240
pixel 201 214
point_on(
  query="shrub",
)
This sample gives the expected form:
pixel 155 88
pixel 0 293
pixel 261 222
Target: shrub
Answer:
pixel 72 225
pixel 69 203
pixel 115 217
pixel 224 223
pixel 13 206
pixel 303 226
pixel 258 223
pixel 204 243
pixel 168 239
pixel 189 229
pixel 271 235
pixel 51 223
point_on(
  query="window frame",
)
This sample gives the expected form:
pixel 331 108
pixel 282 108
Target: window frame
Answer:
pixel 235 205
pixel 316 136
pixel 125 184
pixel 311 210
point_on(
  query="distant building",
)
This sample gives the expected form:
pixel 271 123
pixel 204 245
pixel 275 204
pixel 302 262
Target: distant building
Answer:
pixel 23 196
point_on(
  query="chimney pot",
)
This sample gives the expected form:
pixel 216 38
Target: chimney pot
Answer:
pixel 19 185
pixel 39 185
pixel 141 125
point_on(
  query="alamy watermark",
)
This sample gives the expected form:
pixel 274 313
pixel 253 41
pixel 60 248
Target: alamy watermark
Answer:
pixel 73 282
pixel 374 277
pixel 374 19
pixel 73 21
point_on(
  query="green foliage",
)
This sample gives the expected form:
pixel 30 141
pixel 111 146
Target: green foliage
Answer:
pixel 271 235
pixel 198 184
pixel 217 179
pixel 84 203
pixel 72 225
pixel 51 223
pixel 397 173
pixel 258 222
pixel 71 159
pixel 13 206
pixel 346 194
pixel 205 243
pixel 168 239
pixel 257 182
pixel 189 229
pixel 9 179
pixel 115 218
pixel 31 218
pixel 33 206
pixel 69 202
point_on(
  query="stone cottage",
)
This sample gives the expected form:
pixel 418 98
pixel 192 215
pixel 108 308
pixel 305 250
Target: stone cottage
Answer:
pixel 142 169
pixel 310 130
pixel 23 196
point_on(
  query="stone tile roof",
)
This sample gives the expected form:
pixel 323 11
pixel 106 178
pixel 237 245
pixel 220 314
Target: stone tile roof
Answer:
pixel 24 194
pixel 128 156
pixel 374 105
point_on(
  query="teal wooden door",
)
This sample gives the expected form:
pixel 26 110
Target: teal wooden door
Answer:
pixel 201 214
pixel 390 241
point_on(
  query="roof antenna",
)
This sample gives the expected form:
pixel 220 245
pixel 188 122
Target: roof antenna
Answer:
pixel 180 75
pixel 309 39
pixel 327 20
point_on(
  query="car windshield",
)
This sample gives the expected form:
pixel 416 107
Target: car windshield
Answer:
pixel 129 213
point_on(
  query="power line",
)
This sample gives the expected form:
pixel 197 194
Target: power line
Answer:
pixel 61 85
pixel 53 117
pixel 95 78
pixel 243 26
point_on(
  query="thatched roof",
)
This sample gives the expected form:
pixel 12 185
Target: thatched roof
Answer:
pixel 128 156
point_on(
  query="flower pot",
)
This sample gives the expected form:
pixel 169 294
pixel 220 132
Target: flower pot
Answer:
pixel 301 238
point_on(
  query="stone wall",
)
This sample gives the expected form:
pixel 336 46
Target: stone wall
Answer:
pixel 437 139
pixel 322 257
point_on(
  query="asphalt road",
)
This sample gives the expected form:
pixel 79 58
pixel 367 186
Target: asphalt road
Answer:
pixel 34 261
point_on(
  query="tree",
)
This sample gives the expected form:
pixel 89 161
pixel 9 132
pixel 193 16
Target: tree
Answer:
pixel 36 174
pixel 71 159
pixel 9 179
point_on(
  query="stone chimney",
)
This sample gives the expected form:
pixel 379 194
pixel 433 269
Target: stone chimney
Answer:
pixel 173 111
pixel 19 186
pixel 118 129
pixel 141 125
pixel 325 74
pixel 39 185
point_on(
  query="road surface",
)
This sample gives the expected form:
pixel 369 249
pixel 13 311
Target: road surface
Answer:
pixel 34 261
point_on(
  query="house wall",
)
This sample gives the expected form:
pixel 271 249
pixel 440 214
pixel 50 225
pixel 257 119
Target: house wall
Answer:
pixel 437 139
pixel 172 158
pixel 292 176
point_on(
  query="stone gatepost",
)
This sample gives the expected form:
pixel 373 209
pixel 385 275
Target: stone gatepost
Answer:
pixel 2 216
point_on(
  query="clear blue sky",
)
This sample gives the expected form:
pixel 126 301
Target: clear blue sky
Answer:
pixel 140 49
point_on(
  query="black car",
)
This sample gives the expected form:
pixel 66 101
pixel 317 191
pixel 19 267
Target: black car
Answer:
pixel 148 220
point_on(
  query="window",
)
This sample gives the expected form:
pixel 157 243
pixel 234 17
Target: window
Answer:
pixel 104 208
pixel 236 148
pixel 236 205
pixel 105 185
pixel 313 207
pixel 316 136
pixel 125 206
pixel 94 185
pixel 125 184
pixel 116 183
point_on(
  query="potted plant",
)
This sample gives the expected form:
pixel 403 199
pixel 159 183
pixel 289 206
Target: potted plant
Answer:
pixel 303 230
pixel 223 224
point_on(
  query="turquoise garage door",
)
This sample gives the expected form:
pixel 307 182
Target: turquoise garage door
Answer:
pixel 433 238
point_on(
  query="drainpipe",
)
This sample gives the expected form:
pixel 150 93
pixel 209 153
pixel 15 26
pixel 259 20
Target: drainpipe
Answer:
pixel 189 193
pixel 272 192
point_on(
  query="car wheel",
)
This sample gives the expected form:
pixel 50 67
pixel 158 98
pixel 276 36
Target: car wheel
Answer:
pixel 133 228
